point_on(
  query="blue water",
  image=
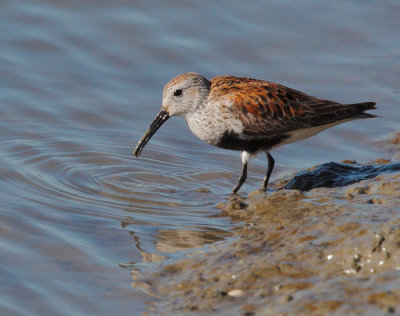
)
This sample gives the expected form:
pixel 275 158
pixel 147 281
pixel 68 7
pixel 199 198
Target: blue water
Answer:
pixel 81 81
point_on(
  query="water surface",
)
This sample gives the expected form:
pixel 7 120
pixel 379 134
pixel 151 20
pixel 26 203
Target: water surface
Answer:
pixel 81 81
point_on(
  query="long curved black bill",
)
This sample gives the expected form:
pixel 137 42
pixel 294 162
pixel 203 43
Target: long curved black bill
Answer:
pixel 158 121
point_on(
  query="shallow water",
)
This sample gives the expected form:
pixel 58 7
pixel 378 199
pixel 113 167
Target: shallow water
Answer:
pixel 81 81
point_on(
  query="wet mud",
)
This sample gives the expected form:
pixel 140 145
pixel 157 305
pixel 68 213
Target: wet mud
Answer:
pixel 326 241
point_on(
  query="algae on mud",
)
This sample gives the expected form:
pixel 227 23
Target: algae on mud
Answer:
pixel 328 250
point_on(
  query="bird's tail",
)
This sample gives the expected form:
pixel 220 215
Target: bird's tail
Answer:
pixel 364 106
pixel 359 108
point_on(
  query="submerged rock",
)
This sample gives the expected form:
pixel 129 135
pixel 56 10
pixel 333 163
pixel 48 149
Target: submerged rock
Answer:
pixel 334 174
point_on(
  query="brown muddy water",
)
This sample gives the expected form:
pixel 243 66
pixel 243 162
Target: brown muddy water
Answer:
pixel 79 84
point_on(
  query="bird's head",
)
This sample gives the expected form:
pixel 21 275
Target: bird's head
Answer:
pixel 185 93
pixel 181 95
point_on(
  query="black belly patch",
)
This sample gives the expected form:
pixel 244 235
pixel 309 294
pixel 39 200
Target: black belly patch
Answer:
pixel 232 141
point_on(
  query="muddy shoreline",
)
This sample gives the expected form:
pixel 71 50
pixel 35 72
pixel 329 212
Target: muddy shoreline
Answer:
pixel 316 251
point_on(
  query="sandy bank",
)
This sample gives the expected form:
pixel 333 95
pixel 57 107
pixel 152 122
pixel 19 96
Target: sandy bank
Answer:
pixel 318 252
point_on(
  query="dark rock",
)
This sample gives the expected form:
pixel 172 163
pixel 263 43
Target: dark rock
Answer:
pixel 334 174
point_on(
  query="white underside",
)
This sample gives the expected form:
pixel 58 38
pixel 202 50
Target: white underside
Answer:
pixel 304 133
pixel 296 136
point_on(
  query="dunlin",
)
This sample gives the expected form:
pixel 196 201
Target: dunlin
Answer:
pixel 248 114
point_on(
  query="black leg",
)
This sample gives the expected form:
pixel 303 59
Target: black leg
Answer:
pixel 242 179
pixel 271 164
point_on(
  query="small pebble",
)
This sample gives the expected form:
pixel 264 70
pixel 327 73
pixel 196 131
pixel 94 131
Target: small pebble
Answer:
pixel 235 292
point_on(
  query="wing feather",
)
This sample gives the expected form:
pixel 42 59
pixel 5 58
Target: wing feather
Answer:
pixel 267 109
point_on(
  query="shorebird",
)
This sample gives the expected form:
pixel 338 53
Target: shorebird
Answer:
pixel 248 114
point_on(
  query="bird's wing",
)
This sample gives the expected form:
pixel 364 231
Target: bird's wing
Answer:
pixel 267 109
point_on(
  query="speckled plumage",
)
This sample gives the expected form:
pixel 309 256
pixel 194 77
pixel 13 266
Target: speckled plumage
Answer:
pixel 248 114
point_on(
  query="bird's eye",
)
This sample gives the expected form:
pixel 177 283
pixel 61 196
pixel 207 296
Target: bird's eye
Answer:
pixel 178 93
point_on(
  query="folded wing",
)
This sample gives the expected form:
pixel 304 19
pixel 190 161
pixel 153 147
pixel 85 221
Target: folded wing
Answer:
pixel 267 109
